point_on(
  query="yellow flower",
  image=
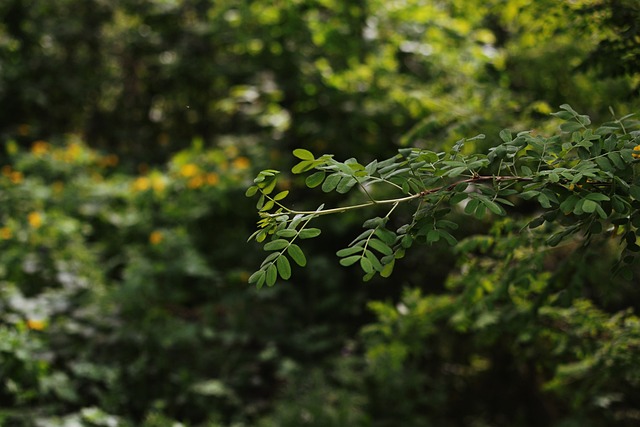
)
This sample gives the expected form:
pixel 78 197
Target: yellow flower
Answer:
pixel 141 184
pixel 5 233
pixel 35 325
pixel 35 219
pixel 39 147
pixel 241 163
pixel 155 237
pixel 189 170
pixel 636 155
pixel 212 178
pixel 158 183
pixel 195 182
pixel 72 153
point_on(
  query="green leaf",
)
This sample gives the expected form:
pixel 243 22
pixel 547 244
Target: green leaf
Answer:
pixel 366 265
pixel 456 171
pixel 544 201
pixel 505 135
pixel 564 115
pixel 272 275
pixel 315 179
pixel 634 190
pixel 303 154
pixel 350 260
pixel 480 211
pixel 529 194
pixel 604 164
pixel 597 197
pixel 287 232
pixel 361 236
pixel 268 187
pixel 297 255
pixel 380 246
pixel 284 267
pixel 569 203
pixel 407 241
pixel 494 207
pixel 269 258
pixel 255 277
pixel 448 237
pixel 303 166
pixel 571 126
pixel 349 251
pixel 387 236
pixel 377 266
pixel 281 195
pixel 537 222
pixel 433 236
pixel 251 191
pixel 387 269
pixel 331 182
pixel 589 206
pixel 373 222
pixel 345 184
pixel 568 108
pixel 616 159
pixel 309 233
pixel 471 206
pixel 267 206
pixel 275 245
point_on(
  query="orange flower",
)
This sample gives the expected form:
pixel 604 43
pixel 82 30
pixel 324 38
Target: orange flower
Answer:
pixel 40 147
pixel 212 178
pixel 35 325
pixel 5 233
pixel 16 177
pixel 35 219
pixel 636 155
pixel 195 182
pixel 155 237
pixel 241 163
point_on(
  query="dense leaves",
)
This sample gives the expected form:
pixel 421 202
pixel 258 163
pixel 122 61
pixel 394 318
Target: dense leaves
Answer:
pixel 130 130
pixel 575 177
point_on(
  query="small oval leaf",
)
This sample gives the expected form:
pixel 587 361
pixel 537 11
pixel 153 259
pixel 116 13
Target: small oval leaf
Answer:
pixel 297 255
pixel 275 245
pixel 284 267
pixel 303 154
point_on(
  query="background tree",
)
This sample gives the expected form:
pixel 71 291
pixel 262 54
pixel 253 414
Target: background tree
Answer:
pixel 131 131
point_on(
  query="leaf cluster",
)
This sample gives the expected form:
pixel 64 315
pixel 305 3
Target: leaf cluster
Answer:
pixel 583 180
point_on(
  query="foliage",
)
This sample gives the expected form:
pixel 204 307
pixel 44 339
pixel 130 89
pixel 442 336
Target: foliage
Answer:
pixel 131 130
pixel 585 180
pixel 521 309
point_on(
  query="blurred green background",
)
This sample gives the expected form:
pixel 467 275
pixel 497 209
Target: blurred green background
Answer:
pixel 130 130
